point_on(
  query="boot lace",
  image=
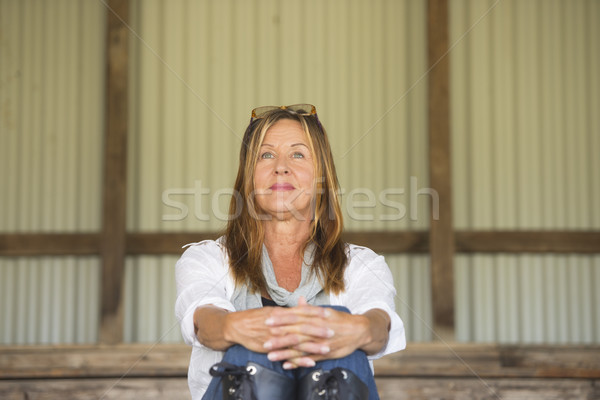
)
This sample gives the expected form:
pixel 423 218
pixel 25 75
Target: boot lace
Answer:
pixel 239 385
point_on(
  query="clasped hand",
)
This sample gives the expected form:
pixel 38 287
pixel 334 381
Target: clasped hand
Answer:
pixel 299 336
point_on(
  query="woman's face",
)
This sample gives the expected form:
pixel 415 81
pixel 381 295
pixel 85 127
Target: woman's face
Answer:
pixel 284 174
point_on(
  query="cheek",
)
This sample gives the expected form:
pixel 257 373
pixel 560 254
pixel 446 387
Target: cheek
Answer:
pixel 308 177
pixel 259 176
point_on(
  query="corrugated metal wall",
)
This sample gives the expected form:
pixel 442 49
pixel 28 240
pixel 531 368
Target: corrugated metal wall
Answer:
pixel 525 145
pixel 51 108
pixel 199 68
pixel 526 138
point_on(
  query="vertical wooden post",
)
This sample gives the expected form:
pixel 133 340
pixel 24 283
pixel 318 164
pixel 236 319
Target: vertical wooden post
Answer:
pixel 115 173
pixel 441 236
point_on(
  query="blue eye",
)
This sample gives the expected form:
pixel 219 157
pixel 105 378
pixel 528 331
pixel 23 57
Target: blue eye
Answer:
pixel 267 155
pixel 298 155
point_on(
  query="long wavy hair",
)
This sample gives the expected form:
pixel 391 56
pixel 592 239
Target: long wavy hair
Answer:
pixel 244 235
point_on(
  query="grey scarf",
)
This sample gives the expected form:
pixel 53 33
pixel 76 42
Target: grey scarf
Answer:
pixel 310 287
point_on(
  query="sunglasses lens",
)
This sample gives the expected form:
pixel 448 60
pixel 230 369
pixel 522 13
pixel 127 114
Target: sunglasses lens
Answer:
pixel 261 111
pixel 302 109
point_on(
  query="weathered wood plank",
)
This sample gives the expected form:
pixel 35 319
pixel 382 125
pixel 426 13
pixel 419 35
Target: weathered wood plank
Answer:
pixel 470 360
pixel 389 389
pixel 114 189
pixel 94 389
pixel 132 360
pixel 419 360
pixel 486 389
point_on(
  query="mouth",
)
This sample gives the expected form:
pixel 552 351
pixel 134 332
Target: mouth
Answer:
pixel 281 187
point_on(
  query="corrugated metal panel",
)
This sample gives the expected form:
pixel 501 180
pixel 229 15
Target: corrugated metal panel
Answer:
pixel 150 300
pixel 51 120
pixel 51 105
pixel 526 139
pixel 528 299
pixel 49 300
pixel 412 279
pixel 198 68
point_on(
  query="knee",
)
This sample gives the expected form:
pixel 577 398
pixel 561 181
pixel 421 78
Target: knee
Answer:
pixel 237 354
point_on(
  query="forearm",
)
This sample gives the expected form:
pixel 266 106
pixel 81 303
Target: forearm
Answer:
pixel 210 327
pixel 376 330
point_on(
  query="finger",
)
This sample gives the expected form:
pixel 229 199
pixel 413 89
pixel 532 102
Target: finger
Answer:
pixel 294 340
pixel 313 348
pixel 290 365
pixel 307 362
pixel 306 310
pixel 284 355
pixel 283 342
pixel 294 315
pixel 313 331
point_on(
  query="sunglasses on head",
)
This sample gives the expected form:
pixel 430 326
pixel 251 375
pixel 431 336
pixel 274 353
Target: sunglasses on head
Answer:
pixel 305 110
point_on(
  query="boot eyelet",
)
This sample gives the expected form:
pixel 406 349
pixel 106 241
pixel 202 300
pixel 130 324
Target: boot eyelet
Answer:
pixel 251 369
pixel 231 391
pixel 316 375
pixel 345 375
pixel 322 392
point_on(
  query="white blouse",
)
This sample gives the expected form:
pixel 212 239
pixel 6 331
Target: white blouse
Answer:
pixel 202 277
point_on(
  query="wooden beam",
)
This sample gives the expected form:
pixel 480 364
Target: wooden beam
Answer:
pixel 49 244
pixel 528 241
pixel 441 234
pixel 381 242
pixel 115 173
pixel 164 243
pixel 390 242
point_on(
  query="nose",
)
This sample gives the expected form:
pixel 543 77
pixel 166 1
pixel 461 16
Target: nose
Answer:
pixel 282 168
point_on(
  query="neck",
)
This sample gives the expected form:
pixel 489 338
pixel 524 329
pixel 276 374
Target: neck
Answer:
pixel 286 236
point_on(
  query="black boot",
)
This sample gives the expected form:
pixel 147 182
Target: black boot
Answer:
pixel 337 384
pixel 253 382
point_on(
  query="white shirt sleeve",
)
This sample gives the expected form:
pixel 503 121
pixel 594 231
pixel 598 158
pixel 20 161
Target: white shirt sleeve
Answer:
pixel 370 284
pixel 202 277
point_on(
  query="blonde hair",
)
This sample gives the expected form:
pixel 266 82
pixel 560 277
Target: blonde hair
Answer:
pixel 244 235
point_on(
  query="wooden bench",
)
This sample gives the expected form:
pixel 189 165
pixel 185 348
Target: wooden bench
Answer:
pixel 423 371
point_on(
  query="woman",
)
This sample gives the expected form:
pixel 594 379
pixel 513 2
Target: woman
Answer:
pixel 296 310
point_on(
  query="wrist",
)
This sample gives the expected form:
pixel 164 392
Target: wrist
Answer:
pixel 364 329
pixel 228 333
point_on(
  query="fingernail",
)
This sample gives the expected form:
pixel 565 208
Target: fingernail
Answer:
pixel 311 363
pixel 330 332
pixel 327 313
pixel 287 365
pixel 269 321
pixel 325 349
pixel 268 345
pixel 271 356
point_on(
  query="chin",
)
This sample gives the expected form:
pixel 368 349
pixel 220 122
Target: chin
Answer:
pixel 284 213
